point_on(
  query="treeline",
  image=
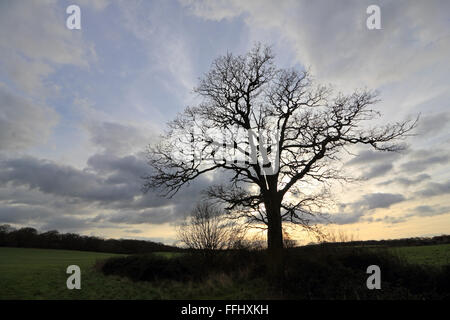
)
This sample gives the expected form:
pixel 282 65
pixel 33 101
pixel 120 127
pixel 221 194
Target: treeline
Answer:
pixel 31 238
pixel 417 241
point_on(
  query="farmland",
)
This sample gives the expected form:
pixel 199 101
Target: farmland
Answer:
pixel 436 255
pixel 41 274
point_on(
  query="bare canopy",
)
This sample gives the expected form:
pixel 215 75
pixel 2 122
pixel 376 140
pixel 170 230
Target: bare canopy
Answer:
pixel 205 229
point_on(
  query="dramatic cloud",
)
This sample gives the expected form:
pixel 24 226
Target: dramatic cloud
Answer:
pixel 425 159
pixel 50 194
pixel 56 179
pixel 355 211
pixel 435 189
pixel 79 107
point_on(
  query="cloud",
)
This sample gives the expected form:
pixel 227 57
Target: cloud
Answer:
pixel 425 159
pixel 355 211
pixel 378 170
pixel 419 211
pixel 429 211
pixel 52 178
pixel 434 189
pixel 342 49
pixel 431 124
pixel 172 60
pixel 23 214
pixel 106 193
pixel 22 122
pixel 369 156
pixel 35 41
pixel 120 169
pixel 379 200
pixel 404 60
pixel 118 138
pixel 347 218
pixel 390 220
pixel 145 69
pixel 405 181
pixel 158 215
pixel 375 163
pixel 65 223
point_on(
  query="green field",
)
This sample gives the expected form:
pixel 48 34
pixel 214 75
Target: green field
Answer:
pixel 436 255
pixel 41 274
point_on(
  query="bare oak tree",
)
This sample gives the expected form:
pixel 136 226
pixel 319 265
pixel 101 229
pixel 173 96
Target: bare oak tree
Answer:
pixel 295 131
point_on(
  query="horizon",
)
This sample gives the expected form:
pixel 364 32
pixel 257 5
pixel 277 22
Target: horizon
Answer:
pixel 176 244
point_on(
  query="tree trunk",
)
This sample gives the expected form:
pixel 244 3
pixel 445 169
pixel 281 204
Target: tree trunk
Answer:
pixel 274 241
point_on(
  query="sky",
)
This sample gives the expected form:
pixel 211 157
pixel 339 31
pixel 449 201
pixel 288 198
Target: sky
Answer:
pixel 79 107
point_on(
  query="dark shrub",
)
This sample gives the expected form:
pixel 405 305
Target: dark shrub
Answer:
pixel 310 273
pixel 146 268
pixel 191 266
pixel 443 282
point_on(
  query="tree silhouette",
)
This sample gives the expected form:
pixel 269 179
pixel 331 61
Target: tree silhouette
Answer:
pixel 277 133
pixel 205 229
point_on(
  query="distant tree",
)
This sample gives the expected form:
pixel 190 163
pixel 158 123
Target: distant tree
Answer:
pixel 5 229
pixel 24 237
pixel 206 229
pixel 337 236
pixel 50 239
pixel 30 238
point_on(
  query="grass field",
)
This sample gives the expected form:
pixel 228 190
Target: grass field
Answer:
pixel 41 274
pixel 436 255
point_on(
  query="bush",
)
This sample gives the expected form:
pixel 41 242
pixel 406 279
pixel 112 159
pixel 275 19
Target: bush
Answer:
pixel 340 273
pixel 194 266
pixel 310 272
pixel 146 268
